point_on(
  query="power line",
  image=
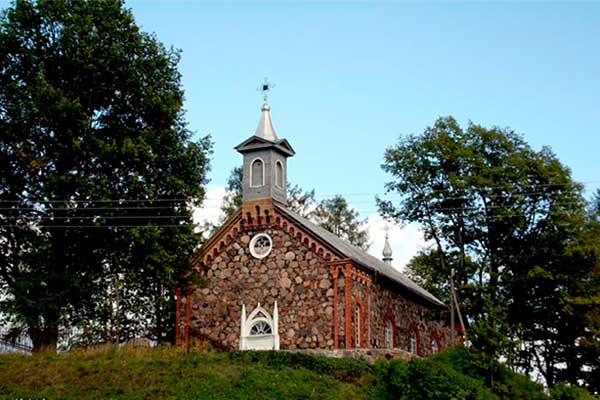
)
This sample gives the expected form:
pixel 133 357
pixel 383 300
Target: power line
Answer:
pixel 99 217
pixel 103 226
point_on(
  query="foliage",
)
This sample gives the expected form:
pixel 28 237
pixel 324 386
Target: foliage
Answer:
pixel 337 217
pixel 509 220
pixel 233 195
pixel 99 172
pixel 425 379
pixel 503 382
pixel 562 391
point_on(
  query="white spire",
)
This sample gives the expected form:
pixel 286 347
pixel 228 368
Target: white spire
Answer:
pixel 387 251
pixel 265 128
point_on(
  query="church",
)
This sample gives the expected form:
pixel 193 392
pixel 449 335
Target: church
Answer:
pixel 275 280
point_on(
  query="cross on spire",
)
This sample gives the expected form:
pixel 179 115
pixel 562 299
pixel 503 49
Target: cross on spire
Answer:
pixel 265 87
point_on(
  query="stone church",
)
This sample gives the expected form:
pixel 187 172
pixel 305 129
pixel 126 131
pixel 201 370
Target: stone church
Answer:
pixel 275 280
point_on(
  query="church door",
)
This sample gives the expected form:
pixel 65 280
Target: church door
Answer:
pixel 259 329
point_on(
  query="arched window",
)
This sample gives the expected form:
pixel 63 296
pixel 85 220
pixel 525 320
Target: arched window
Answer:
pixel 389 333
pixel 413 339
pixel 261 327
pixel 436 343
pixel 278 174
pixel 257 173
pixel 434 346
pixel 357 326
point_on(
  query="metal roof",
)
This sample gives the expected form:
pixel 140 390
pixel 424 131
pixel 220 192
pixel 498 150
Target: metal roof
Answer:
pixel 265 128
pixel 361 257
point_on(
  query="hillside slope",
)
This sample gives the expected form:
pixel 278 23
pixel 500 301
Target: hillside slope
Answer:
pixel 165 373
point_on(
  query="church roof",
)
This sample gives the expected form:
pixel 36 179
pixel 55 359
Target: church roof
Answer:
pixel 257 143
pixel 360 256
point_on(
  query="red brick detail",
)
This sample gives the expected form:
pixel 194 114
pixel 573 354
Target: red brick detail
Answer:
pixel 366 318
pixel 348 316
pixel 336 323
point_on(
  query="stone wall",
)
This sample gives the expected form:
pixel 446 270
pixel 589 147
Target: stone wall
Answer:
pixel 301 281
pixel 291 274
pixel 407 313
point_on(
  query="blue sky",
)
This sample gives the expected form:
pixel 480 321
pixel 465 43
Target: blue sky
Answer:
pixel 351 77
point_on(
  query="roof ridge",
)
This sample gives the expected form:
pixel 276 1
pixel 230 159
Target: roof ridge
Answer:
pixel 361 257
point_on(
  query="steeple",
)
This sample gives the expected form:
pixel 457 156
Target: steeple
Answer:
pixel 265 128
pixel 387 250
pixel 264 173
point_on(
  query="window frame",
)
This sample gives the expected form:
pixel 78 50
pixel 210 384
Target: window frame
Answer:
pixel 252 172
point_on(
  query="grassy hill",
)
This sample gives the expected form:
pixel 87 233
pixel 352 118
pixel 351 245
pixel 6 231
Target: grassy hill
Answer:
pixel 166 373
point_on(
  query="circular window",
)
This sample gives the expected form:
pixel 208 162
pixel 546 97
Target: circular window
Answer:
pixel 260 245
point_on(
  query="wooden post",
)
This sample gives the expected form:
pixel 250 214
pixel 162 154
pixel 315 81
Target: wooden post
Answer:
pixel 178 317
pixel 188 318
pixel 452 327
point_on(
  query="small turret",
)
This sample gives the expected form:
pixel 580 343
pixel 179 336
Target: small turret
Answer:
pixel 387 251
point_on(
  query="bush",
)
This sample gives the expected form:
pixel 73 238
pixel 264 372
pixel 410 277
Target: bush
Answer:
pixel 562 391
pixel 497 377
pixel 343 369
pixel 427 379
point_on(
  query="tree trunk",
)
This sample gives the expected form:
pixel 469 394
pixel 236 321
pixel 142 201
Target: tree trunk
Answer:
pixel 44 339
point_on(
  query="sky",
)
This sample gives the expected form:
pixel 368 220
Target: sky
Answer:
pixel 352 77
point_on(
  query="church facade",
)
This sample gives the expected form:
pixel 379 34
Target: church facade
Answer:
pixel 275 280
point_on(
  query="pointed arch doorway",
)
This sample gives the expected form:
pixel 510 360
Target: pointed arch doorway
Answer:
pixel 259 331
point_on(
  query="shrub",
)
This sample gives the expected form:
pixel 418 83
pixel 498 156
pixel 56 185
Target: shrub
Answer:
pixel 562 391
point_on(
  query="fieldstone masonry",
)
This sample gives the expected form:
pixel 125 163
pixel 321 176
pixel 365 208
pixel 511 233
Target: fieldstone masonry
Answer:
pixel 291 274
pixel 310 289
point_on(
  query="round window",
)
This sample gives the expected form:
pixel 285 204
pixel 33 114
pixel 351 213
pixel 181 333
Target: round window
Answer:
pixel 261 245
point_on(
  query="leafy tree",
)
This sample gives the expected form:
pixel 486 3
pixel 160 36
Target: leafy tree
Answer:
pixel 499 213
pixel 299 201
pixel 233 196
pixel 332 214
pixel 98 171
pixel 336 216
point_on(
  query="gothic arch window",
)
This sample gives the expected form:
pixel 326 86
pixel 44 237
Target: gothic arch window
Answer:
pixel 257 173
pixel 357 330
pixel 413 339
pixel 259 330
pixel 436 343
pixel 278 174
pixel 261 327
pixel 389 334
pixel 389 330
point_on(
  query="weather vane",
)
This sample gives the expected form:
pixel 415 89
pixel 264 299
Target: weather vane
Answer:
pixel 386 228
pixel 265 87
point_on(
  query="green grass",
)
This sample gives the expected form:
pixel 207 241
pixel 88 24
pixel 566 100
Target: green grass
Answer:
pixel 169 374
pixel 166 373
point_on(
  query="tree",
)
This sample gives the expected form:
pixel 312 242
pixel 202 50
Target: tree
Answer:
pixel 337 217
pixel 299 201
pixel 502 215
pixel 233 195
pixel 98 170
pixel 332 214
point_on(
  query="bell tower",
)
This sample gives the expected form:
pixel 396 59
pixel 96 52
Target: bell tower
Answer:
pixel 264 175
